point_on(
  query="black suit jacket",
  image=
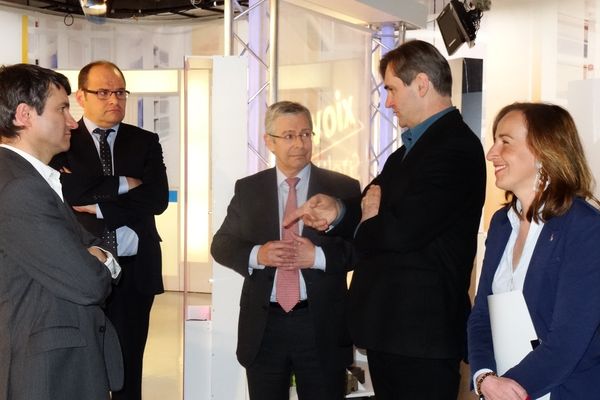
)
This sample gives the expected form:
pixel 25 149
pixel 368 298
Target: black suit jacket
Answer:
pixel 137 153
pixel 409 292
pixel 55 342
pixel 253 219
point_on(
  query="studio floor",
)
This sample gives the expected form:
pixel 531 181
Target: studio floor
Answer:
pixel 163 361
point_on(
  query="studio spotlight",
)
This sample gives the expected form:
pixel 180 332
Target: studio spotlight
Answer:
pixel 459 22
pixel 93 8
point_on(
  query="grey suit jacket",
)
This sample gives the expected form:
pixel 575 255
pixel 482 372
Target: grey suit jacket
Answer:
pixel 55 342
pixel 253 219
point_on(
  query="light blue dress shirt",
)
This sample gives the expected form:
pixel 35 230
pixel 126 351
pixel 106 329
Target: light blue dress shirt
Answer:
pixel 127 239
pixel 301 195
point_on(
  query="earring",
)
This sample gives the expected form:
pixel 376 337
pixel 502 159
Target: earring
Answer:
pixel 538 181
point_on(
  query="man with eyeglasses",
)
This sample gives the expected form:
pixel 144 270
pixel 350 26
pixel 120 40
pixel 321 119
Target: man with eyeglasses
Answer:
pixel 115 178
pixel 292 301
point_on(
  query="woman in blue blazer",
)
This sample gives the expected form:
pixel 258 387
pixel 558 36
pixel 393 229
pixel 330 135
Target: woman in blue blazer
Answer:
pixel 545 242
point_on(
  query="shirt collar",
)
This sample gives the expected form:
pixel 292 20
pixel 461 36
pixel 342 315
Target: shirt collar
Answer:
pixel 48 173
pixel 304 174
pixel 411 135
pixel 514 219
pixel 92 126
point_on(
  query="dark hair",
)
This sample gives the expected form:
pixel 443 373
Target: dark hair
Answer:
pixel 553 139
pixel 82 80
pixel 414 57
pixel 280 108
pixel 29 84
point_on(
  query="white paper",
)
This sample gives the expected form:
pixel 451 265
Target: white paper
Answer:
pixel 512 330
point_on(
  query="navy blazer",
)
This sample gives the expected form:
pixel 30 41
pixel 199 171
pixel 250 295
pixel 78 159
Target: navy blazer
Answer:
pixel 562 291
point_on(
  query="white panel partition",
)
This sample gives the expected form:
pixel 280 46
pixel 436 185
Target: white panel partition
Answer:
pixel 211 368
pixel 583 104
pixel 11 28
pixel 229 144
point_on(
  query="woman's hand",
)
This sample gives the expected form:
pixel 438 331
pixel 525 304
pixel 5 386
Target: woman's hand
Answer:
pixel 499 388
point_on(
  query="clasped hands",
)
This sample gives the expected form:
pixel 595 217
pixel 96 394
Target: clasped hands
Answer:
pixel 321 210
pixel 289 254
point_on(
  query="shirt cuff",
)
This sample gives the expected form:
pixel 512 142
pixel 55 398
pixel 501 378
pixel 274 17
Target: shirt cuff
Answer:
pixel 123 185
pixel 253 260
pixel 339 217
pixel 99 212
pixel 111 263
pixel 320 261
pixel 476 375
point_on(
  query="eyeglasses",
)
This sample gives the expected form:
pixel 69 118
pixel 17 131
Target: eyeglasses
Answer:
pixel 104 94
pixel 290 137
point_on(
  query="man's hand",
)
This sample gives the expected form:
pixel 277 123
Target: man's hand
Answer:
pixel 133 182
pixel 370 202
pixel 98 253
pixel 280 253
pixel 318 212
pixel 499 388
pixel 90 209
pixel 305 252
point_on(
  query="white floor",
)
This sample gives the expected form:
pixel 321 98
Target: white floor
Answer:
pixel 163 361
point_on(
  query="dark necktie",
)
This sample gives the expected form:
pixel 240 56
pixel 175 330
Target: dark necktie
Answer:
pixel 288 282
pixel 109 238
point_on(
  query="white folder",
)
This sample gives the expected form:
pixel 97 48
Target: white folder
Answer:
pixel 512 330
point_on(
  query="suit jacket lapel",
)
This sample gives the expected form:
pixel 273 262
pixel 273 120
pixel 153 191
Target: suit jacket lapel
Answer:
pixel 121 148
pixel 28 169
pixel 542 254
pixel 495 245
pixel 314 181
pixel 271 203
pixel 83 144
pixel 315 186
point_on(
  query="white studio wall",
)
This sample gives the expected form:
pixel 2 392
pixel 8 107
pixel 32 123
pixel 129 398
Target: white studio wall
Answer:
pixel 12 47
pixel 583 104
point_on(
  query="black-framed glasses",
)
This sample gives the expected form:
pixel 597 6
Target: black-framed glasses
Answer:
pixel 104 94
pixel 290 137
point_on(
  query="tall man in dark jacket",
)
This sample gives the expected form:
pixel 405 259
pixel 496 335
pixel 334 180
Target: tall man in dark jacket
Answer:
pixel 415 232
pixel 292 324
pixel 115 178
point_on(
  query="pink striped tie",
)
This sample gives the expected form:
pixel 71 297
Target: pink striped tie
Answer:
pixel 288 282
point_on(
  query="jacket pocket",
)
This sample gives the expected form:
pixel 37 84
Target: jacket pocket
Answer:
pixel 58 337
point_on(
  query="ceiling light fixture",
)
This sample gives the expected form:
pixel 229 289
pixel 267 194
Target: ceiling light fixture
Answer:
pixel 93 8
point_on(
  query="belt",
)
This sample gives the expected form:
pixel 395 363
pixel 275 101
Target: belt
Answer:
pixel 300 305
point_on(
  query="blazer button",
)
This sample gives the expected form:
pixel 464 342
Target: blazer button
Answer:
pixel 102 329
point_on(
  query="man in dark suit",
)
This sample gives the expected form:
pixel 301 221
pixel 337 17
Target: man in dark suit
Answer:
pixel 416 237
pixel 115 178
pixel 55 341
pixel 286 325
